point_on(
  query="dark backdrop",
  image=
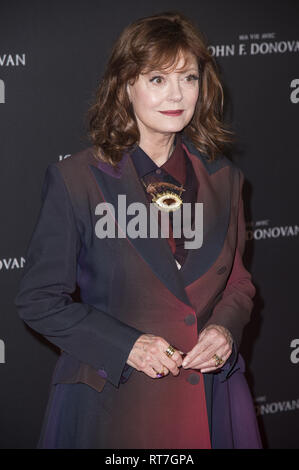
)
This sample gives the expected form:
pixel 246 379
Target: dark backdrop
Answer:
pixel 52 54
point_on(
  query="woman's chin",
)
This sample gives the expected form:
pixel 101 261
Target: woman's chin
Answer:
pixel 172 128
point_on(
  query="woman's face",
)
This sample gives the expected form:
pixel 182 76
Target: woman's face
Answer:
pixel 163 101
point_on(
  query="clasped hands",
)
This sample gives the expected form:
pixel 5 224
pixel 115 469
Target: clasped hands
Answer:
pixel 148 353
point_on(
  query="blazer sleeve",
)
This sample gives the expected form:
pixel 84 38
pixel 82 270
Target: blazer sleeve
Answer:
pixel 234 308
pixel 44 299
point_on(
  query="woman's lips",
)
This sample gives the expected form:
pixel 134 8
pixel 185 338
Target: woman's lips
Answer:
pixel 178 112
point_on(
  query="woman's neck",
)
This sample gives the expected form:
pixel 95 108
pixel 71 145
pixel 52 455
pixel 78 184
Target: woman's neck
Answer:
pixel 159 149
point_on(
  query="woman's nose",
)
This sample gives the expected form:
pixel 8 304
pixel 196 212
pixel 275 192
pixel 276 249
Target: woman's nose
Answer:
pixel 175 91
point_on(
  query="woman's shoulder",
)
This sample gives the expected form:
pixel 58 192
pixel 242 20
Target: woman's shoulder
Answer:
pixel 211 165
pixel 74 172
pixel 77 161
pixel 75 169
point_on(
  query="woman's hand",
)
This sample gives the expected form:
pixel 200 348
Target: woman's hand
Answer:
pixel 148 355
pixel 214 339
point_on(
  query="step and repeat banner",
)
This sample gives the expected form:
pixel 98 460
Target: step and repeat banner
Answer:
pixel 52 55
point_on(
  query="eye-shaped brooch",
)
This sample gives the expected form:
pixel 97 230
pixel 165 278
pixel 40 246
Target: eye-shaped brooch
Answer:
pixel 169 200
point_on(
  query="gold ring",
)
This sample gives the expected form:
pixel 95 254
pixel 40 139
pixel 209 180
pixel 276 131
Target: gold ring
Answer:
pixel 170 351
pixel 218 360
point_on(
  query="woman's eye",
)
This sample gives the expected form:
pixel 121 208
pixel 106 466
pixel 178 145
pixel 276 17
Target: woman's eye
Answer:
pixel 157 80
pixel 191 78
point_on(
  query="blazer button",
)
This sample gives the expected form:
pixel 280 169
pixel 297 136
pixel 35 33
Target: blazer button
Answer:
pixel 221 270
pixel 193 378
pixel 189 319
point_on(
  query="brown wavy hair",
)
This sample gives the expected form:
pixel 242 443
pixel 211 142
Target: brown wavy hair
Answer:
pixel 155 43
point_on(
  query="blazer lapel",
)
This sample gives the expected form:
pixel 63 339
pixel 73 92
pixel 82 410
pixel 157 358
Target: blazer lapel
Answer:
pixel 155 252
pixel 214 191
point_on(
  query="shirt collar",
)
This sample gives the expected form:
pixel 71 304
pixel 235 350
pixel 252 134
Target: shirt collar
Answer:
pixel 175 165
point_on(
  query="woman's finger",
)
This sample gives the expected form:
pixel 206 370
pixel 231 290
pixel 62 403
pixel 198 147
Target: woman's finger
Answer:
pixel 198 349
pixel 150 371
pixel 169 363
pixel 176 356
pixel 157 352
pixel 201 348
pixel 159 367
pixel 153 370
pixel 209 361
pixel 211 365
pixel 205 361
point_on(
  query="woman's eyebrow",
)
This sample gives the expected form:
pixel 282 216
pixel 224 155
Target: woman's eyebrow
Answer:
pixel 188 69
pixel 184 70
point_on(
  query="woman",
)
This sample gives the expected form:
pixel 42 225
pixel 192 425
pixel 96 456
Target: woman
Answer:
pixel 149 355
